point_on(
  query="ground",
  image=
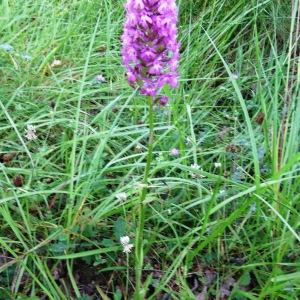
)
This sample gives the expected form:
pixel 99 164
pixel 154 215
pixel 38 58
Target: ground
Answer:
pixel 228 229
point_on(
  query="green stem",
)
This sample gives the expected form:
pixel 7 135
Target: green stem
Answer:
pixel 139 251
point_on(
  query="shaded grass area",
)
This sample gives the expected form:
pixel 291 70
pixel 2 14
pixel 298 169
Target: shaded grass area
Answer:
pixel 229 232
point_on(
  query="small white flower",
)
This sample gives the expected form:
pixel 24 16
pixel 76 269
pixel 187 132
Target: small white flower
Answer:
pixel 127 248
pixel 124 240
pixel 56 63
pixel 195 166
pixel 100 78
pixel 30 133
pixel 174 152
pixel 218 165
pixel 138 148
pixel 121 197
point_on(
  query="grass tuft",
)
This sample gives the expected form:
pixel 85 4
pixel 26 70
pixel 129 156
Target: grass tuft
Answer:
pixel 226 230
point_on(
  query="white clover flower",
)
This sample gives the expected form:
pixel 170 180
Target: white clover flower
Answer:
pixel 195 166
pixel 100 78
pixel 218 165
pixel 30 133
pixel 138 148
pixel 56 63
pixel 121 197
pixel 174 152
pixel 127 248
pixel 124 240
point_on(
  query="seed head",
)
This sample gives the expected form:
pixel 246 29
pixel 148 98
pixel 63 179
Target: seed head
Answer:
pixel 30 133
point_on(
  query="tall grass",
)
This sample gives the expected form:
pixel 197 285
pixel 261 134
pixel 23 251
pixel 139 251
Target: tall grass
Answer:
pixel 213 233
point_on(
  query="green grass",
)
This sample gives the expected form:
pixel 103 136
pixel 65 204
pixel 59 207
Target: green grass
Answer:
pixel 225 233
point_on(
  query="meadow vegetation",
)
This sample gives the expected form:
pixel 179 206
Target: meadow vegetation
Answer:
pixel 227 229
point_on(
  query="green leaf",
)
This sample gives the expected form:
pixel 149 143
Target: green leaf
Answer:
pixel 58 248
pixel 87 253
pixel 88 231
pixel 245 280
pixel 107 243
pixel 287 277
pixel 117 295
pixel 20 297
pixel 63 237
pixel 84 297
pixel 120 228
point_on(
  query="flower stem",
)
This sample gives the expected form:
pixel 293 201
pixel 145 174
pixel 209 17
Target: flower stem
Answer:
pixel 139 251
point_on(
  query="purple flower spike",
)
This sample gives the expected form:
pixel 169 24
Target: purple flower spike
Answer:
pixel 150 48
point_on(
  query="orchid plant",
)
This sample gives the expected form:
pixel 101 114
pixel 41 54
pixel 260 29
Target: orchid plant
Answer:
pixel 150 55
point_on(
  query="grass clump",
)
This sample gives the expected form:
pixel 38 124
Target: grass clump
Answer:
pixel 226 230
